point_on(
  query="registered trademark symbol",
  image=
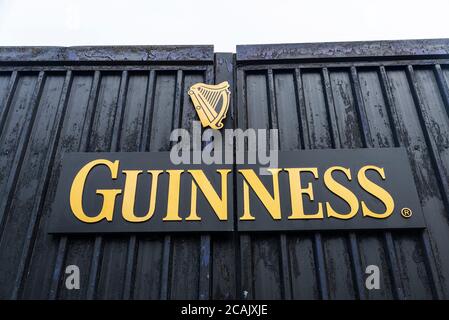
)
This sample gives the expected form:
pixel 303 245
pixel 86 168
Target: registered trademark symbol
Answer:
pixel 406 212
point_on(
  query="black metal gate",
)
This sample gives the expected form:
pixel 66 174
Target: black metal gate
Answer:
pixel 334 95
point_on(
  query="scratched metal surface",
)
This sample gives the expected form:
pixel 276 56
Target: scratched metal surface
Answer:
pixel 345 95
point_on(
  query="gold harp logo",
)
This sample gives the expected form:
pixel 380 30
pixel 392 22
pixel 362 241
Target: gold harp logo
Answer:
pixel 211 103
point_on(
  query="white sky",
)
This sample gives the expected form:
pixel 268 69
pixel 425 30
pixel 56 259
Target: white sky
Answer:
pixel 221 23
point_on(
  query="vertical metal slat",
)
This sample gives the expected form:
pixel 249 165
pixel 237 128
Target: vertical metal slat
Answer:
pixel 318 252
pixel 284 263
pixel 40 194
pixel 205 240
pixel 8 100
pixel 353 246
pixel 132 244
pixel 21 148
pixel 396 126
pixel 98 245
pixel 87 127
pixel 168 242
pixel 368 142
pixel 437 164
pixel 245 283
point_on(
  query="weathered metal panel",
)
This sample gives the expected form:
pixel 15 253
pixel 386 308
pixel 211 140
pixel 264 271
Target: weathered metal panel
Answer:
pixel 345 50
pixel 108 54
pixel 348 100
pixel 333 95
pixel 47 113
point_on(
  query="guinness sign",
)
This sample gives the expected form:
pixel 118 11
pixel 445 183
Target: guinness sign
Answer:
pixel 309 190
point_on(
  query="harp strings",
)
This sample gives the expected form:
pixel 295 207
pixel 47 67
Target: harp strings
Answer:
pixel 211 96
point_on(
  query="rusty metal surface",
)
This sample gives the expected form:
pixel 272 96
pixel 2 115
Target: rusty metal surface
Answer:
pixel 56 100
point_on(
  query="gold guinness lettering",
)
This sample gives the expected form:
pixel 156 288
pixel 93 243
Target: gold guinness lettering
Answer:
pixel 76 192
pixel 129 195
pixel 342 192
pixel 272 204
pixel 376 191
pixel 296 192
pixel 219 204
pixel 173 196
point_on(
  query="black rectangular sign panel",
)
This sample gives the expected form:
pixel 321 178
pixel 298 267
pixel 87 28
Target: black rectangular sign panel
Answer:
pixel 331 190
pixel 306 190
pixel 133 200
